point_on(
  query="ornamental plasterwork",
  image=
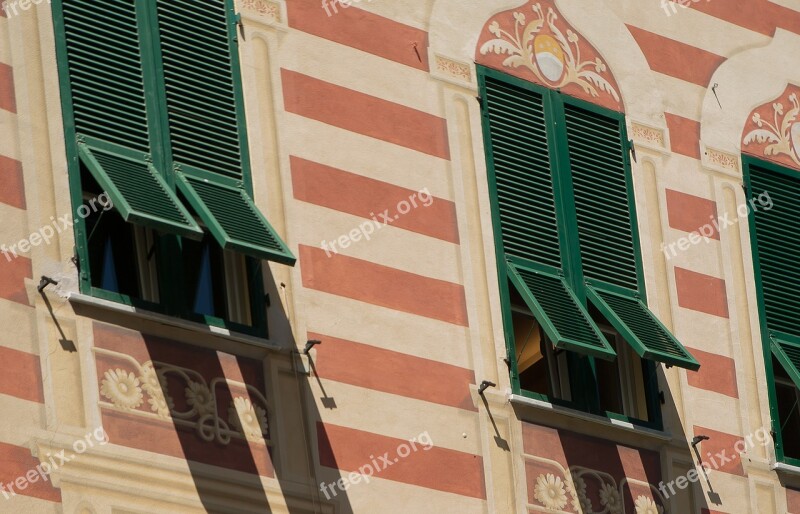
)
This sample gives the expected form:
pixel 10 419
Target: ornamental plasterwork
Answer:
pixel 720 161
pixel 267 8
pixel 773 130
pixel 139 389
pixel 648 136
pixel 535 41
pixel 568 491
pixel 453 69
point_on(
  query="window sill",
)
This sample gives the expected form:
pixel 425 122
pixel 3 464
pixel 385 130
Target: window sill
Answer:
pixel 566 418
pixel 787 469
pixel 248 344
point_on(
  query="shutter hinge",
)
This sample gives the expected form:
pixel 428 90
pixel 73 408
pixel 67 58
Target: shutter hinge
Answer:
pixel 237 18
pixel 744 188
pixel 661 398
pixel 480 101
pixel 632 149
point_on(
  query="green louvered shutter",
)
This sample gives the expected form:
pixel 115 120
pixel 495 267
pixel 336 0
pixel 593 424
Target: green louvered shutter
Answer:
pixel 207 127
pixel 608 249
pixel 520 161
pixel 777 234
pixel 777 252
pixel 640 328
pixel 787 351
pixel 599 177
pixel 109 110
pixel 555 306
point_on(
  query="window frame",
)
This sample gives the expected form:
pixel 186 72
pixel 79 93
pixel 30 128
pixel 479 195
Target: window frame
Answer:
pixel 764 331
pixel 167 252
pixel 584 397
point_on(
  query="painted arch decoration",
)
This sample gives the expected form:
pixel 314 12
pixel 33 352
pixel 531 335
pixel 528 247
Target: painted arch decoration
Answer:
pixel 772 130
pixel 534 43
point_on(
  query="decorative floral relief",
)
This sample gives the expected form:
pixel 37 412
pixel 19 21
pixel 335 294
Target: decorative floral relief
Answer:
pixel 264 7
pixel 553 491
pixel 125 391
pixel 540 46
pixel 249 419
pixel 647 135
pixel 722 159
pixel 549 490
pixel 580 501
pixel 610 499
pixel 645 505
pixel 781 134
pixel 453 68
pixel 122 388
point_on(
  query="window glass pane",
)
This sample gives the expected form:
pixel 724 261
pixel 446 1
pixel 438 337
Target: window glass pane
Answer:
pixel 112 253
pixel 204 278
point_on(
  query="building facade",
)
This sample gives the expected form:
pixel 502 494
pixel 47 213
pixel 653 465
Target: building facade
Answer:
pixel 372 256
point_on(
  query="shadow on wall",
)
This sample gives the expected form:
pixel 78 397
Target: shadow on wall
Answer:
pixel 213 409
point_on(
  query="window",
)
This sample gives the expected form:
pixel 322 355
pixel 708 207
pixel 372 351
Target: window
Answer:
pixel 568 252
pixel 775 239
pixel 154 119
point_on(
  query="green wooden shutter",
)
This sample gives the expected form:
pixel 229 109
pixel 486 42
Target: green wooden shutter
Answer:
pixel 602 205
pixel 137 190
pixel 207 129
pixel 105 72
pixel 640 328
pixel 605 216
pixel 234 219
pixel 787 351
pixel 109 110
pixel 777 238
pixel 520 159
pixel 776 255
pixel 555 306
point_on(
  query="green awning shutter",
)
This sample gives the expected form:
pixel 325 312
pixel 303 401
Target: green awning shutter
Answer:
pixel 207 128
pixel 640 328
pixel 137 190
pixel 520 157
pixel 777 238
pixel 597 158
pixel 562 317
pixel 787 351
pixel 233 219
